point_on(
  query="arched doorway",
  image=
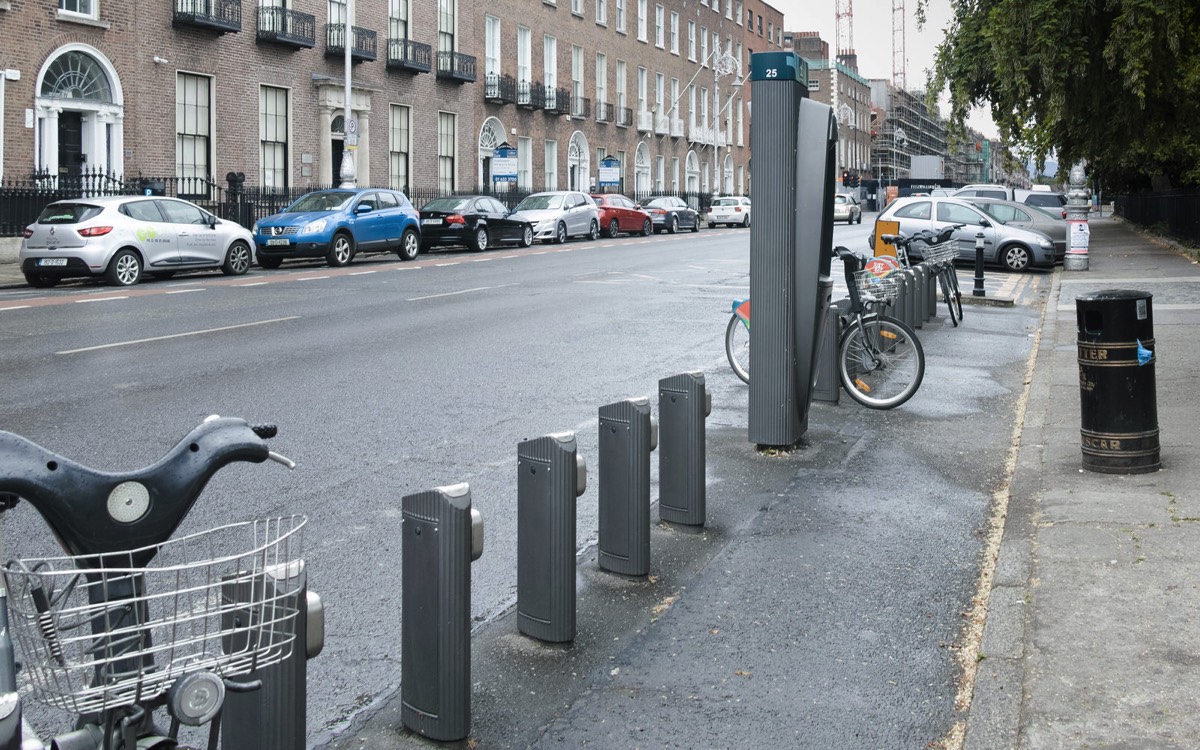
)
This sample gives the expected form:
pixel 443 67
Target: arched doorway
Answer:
pixel 727 175
pixel 641 171
pixel 579 163
pixel 491 135
pixel 79 114
pixel 693 172
pixel 337 146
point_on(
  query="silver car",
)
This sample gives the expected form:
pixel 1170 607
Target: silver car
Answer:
pixel 846 208
pixel 559 215
pixel 122 237
pixel 1028 217
pixel 1013 247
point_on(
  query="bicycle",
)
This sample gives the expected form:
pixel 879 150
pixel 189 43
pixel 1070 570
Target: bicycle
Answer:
pixel 880 360
pixel 132 620
pixel 940 252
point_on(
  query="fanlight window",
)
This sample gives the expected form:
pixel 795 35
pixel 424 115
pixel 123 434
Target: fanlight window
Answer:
pixel 76 75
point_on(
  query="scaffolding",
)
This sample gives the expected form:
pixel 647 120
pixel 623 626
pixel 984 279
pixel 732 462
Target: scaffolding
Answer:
pixel 907 129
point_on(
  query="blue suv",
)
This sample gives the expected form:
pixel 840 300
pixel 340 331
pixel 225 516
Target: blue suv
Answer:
pixel 338 224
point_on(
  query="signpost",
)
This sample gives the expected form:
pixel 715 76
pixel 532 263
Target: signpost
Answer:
pixel 504 163
pixel 610 173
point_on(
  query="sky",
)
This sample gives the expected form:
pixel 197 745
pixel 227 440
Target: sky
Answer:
pixel 873 39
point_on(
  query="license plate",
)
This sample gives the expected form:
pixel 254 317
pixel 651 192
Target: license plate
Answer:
pixel 279 241
pixel 431 222
pixel 52 262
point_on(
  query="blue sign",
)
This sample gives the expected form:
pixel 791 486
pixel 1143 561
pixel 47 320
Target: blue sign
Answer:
pixel 610 172
pixel 504 163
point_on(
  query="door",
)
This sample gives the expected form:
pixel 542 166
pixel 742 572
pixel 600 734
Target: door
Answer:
pixel 196 242
pixel 370 223
pixel 71 159
pixel 336 149
pixel 156 235
pixel 973 222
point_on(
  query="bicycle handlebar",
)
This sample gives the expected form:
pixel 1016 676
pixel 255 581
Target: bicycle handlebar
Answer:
pixel 93 512
pixel 927 236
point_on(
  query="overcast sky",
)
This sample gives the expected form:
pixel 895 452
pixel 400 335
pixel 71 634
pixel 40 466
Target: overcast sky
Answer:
pixel 873 39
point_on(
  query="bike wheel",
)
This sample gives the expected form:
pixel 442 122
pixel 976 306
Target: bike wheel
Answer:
pixel 953 276
pixel 948 294
pixel 737 347
pixel 880 362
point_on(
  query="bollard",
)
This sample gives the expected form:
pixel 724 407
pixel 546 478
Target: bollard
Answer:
pixel 902 292
pixel 922 275
pixel 1118 407
pixel 628 434
pixel 683 403
pixel 550 476
pixel 829 386
pixel 910 301
pixel 273 717
pixel 978 291
pixel 441 535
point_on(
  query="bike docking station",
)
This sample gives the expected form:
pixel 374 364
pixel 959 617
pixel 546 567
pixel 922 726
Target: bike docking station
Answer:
pixel 683 404
pixel 551 475
pixel 793 140
pixel 628 435
pixel 442 535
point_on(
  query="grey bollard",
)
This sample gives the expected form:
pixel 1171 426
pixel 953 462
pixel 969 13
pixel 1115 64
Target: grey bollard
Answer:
pixel 901 296
pixel 274 716
pixel 441 535
pixel 919 297
pixel 910 300
pixel 628 434
pixel 550 476
pixel 683 403
pixel 828 387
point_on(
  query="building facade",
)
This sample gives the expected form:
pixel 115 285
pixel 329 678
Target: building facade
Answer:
pixel 197 89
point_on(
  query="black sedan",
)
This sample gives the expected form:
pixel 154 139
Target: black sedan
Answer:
pixel 475 222
pixel 671 213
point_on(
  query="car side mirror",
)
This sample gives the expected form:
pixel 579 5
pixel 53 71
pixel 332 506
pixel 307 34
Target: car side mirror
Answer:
pixel 362 208
pixel 212 221
pixel 985 223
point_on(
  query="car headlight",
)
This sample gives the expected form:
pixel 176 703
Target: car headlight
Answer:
pixel 254 229
pixel 1045 242
pixel 313 226
pixel 543 224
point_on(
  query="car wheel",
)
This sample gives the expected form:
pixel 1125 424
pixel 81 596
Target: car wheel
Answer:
pixel 594 230
pixel 860 218
pixel 712 225
pixel 341 250
pixel 1015 257
pixel 746 221
pixel 410 245
pixel 125 269
pixel 41 281
pixel 481 239
pixel 560 234
pixel 674 227
pixel 268 262
pixel 613 228
pixel 647 228
pixel 527 236
pixel 237 260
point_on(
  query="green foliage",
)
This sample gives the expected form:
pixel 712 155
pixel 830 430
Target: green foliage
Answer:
pixel 1115 82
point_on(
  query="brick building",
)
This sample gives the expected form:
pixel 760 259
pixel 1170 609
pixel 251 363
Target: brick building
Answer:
pixel 199 88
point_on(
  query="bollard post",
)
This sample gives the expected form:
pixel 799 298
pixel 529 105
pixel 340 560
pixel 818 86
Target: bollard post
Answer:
pixel 922 276
pixel 931 292
pixel 828 386
pixel 441 536
pixel 979 291
pixel 628 434
pixel 550 476
pixel 683 403
pixel 1079 203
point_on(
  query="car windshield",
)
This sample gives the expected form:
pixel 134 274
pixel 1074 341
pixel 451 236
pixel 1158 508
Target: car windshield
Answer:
pixel 659 202
pixel 67 213
pixel 1046 199
pixel 839 199
pixel 725 202
pixel 1056 215
pixel 332 200
pixel 540 202
pixel 446 204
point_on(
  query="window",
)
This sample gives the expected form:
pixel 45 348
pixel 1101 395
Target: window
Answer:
pixel 704 46
pixel 770 32
pixel 524 46
pixel 524 163
pixel 659 24
pixel 692 41
pixel 621 159
pixel 337 12
pixel 79 7
pixel 621 88
pixel 399 146
pixel 660 168
pixel 620 15
pixel 674 33
pixel 551 165
pixel 674 174
pixel 729 10
pixel 398 19
pixel 193 122
pixel 956 214
pixel 641 20
pixel 760 25
pixel 641 89
pixel 491 46
pixel 447 24
pixel 447 151
pixel 577 7
pixel 576 80
pixel 659 93
pixel 601 82
pixel 814 84
pixel 921 210
pixel 675 97
pixel 602 12
pixel 550 62
pixel 142 211
pixel 738 12
pixel 273 136
pixel 182 213
pixel 691 106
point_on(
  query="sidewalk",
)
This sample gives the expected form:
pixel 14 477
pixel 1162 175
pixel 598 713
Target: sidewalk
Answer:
pixel 1091 637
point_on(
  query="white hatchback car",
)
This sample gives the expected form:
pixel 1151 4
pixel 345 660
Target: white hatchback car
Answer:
pixel 120 237
pixel 732 211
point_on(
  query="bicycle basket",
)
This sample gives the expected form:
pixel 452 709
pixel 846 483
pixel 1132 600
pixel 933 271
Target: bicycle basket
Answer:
pixel 943 252
pixel 95 635
pixel 879 287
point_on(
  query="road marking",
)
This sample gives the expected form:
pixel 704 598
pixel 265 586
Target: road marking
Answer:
pixel 443 265
pixel 16 307
pixel 177 335
pixel 360 273
pixel 461 291
pixel 506 257
pixel 310 278
pixel 100 299
pixel 254 283
pixel 481 260
pixel 541 252
pixel 184 291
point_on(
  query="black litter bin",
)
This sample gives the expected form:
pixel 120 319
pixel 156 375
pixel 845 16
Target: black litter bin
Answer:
pixel 1118 407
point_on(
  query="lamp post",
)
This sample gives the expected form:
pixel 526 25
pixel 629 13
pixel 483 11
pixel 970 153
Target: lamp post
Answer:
pixel 349 129
pixel 723 64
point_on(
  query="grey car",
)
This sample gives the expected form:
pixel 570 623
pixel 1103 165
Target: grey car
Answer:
pixel 558 215
pixel 1015 248
pixel 1028 217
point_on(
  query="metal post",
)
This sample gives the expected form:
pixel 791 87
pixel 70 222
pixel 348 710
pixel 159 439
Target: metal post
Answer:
pixel 628 434
pixel 550 476
pixel 1079 203
pixel 979 291
pixel 441 536
pixel 683 403
pixel 350 142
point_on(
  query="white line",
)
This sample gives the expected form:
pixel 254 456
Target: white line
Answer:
pixel 100 299
pixel 360 273
pixel 183 291
pixel 461 291
pixel 407 268
pixel 18 307
pixel 443 265
pixel 481 260
pixel 310 278
pixel 543 252
pixel 254 283
pixel 177 335
pixel 506 257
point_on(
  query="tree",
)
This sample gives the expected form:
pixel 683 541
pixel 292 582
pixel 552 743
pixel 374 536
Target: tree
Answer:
pixel 1115 82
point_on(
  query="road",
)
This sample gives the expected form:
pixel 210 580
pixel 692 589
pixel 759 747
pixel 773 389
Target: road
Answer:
pixel 390 378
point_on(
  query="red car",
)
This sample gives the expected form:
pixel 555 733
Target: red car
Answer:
pixel 619 214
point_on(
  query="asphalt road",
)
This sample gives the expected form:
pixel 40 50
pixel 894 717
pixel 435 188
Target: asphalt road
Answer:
pixel 389 378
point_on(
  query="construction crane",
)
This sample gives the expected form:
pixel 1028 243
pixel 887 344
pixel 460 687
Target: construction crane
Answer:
pixel 845 28
pixel 899 61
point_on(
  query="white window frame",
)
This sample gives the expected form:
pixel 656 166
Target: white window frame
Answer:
pixel 269 133
pixel 524 163
pixel 400 146
pixel 90 9
pixel 550 61
pixel 622 88
pixel 399 13
pixel 674 33
pixel 704 46
pixel 492 45
pixel 601 12
pixel 524 54
pixel 447 26
pixel 660 23
pixel 620 11
pixel 550 157
pixel 601 81
pixel 641 20
pixel 642 88
pixel 578 76
pixel 447 142
pixel 193 120
pixel 692 41
pixel 577 8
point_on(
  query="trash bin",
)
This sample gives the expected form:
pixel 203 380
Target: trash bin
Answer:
pixel 1118 407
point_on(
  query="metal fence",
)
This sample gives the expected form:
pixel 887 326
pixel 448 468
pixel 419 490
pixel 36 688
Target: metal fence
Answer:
pixel 1175 212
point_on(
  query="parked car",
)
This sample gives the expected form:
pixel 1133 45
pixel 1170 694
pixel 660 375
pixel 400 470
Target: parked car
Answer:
pixel 619 214
pixel 731 210
pixel 984 191
pixel 846 208
pixel 558 215
pixel 671 213
pixel 1016 248
pixel 122 237
pixel 339 224
pixel 1028 217
pixel 475 222
pixel 1051 201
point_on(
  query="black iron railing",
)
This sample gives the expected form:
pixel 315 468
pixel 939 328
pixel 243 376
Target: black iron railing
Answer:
pixel 221 15
pixel 455 66
pixel 531 95
pixel 285 26
pixel 405 54
pixel 499 89
pixel 1174 212
pixel 362 47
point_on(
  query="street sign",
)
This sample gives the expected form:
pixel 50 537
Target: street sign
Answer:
pixel 610 173
pixel 504 163
pixel 352 133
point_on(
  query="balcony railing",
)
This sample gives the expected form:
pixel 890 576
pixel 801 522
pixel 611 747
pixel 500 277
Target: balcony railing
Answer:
pixel 645 121
pixel 499 89
pixel 285 26
pixel 531 95
pixel 558 101
pixel 662 124
pixel 624 117
pixel 604 112
pixel 455 66
pixel 405 54
pixel 362 46
pixel 581 107
pixel 221 15
pixel 676 127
